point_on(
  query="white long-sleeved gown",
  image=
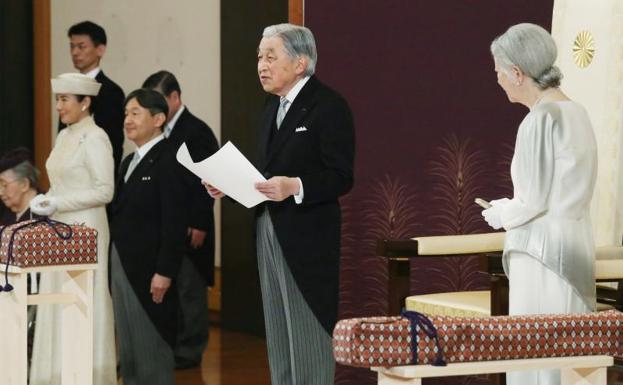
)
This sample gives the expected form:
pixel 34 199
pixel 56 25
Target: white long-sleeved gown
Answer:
pixel 549 251
pixel 80 169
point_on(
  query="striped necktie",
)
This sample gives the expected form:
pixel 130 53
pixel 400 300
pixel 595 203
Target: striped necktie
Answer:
pixel 135 159
pixel 167 130
pixel 283 108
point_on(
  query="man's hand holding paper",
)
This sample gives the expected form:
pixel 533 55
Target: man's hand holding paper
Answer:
pixel 278 188
pixel 213 191
pixel 226 172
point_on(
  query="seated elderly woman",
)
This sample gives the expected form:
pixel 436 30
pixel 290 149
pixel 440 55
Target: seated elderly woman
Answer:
pixel 18 185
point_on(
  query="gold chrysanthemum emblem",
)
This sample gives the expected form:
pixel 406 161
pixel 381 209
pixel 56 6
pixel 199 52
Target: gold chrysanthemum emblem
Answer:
pixel 583 49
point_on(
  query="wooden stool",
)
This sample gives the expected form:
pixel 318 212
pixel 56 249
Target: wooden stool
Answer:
pixel 586 370
pixel 77 323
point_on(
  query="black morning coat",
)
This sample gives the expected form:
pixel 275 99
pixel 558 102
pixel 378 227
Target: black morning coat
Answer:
pixel 149 231
pixel 316 143
pixel 197 203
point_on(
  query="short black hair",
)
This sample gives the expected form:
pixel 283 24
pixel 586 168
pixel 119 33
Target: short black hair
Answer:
pixel 94 31
pixel 150 99
pixel 163 81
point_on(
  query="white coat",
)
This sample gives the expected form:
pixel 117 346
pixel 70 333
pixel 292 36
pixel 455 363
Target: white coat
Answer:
pixel 80 169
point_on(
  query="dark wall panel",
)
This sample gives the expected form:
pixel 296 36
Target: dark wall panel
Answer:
pixel 16 73
pixel 433 130
pixel 242 23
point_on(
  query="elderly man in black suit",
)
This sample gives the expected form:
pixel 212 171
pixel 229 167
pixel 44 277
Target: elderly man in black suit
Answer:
pixel 147 244
pixel 197 270
pixel 306 150
pixel 87 45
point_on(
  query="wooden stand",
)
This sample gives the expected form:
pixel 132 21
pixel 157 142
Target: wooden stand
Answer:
pixel 77 323
pixel 587 370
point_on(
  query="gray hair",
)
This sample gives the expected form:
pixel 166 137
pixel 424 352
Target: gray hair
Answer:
pixel 530 48
pixel 26 170
pixel 298 41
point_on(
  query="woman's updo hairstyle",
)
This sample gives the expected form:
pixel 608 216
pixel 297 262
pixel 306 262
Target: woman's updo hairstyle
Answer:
pixel 530 48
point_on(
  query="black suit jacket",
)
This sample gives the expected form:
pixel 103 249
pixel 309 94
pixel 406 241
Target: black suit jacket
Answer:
pixel 316 143
pixel 108 114
pixel 149 232
pixel 197 204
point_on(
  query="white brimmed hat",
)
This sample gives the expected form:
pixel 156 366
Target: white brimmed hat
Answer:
pixel 75 84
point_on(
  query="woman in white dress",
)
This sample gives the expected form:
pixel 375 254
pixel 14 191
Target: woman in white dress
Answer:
pixel 549 249
pixel 80 168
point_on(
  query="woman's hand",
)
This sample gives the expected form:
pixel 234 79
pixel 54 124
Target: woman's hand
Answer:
pixel 214 192
pixel 43 205
pixel 493 217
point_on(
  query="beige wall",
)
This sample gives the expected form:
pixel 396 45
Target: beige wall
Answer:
pixel 145 36
pixel 599 87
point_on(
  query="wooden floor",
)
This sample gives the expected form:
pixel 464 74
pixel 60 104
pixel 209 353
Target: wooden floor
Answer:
pixel 230 359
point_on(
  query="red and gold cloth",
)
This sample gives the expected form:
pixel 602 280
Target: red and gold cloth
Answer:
pixel 43 242
pixel 386 341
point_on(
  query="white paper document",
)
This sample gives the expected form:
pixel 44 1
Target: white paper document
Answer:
pixel 229 171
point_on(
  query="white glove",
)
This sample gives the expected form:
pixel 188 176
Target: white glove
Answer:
pixel 43 205
pixel 500 203
pixel 492 216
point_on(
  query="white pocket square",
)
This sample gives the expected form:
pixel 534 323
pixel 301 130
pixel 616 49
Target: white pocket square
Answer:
pixel 300 129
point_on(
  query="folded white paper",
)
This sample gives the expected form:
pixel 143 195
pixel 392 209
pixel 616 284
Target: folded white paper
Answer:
pixel 229 171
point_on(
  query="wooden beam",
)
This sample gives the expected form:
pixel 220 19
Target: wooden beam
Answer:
pixel 409 374
pixel 42 89
pixel 296 12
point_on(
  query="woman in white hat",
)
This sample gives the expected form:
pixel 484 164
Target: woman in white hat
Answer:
pixel 80 169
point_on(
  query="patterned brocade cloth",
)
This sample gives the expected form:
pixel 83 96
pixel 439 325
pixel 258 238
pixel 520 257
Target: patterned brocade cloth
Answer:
pixel 43 242
pixel 386 341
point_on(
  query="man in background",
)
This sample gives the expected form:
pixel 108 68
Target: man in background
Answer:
pixel 197 269
pixel 87 45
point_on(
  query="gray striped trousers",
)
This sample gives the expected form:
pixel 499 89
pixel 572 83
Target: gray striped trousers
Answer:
pixel 299 349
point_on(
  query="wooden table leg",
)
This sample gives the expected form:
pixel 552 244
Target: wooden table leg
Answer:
pixel 398 285
pixel 583 376
pixel 13 330
pixel 384 379
pixel 77 329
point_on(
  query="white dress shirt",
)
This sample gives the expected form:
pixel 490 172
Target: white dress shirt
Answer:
pixel 93 73
pixel 144 149
pixel 171 125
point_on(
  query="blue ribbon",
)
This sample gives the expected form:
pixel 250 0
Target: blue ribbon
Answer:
pixel 426 325
pixel 55 225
